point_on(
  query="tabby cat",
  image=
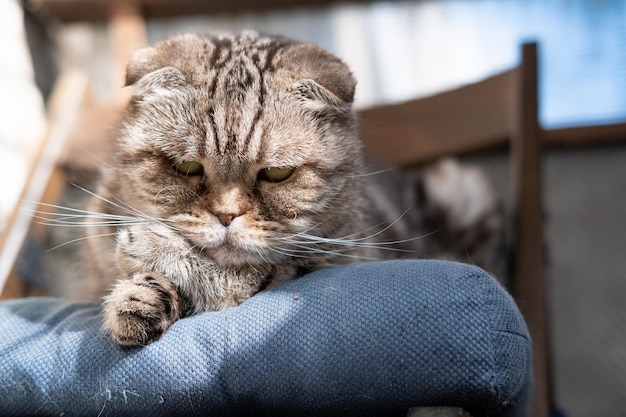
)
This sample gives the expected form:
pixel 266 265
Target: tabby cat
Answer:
pixel 238 166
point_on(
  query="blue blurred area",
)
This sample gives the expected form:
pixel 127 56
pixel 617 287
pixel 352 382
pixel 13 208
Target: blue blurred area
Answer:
pixel 582 58
pixel 401 50
pixel 582 49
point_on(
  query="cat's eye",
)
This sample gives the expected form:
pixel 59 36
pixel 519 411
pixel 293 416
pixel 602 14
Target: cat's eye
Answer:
pixel 275 174
pixel 189 168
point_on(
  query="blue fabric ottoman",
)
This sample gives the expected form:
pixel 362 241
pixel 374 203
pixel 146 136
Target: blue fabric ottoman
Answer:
pixel 369 339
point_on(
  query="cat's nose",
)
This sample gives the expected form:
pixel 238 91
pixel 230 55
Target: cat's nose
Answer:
pixel 226 218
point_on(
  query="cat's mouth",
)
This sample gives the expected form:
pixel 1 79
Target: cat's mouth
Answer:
pixel 231 255
pixel 231 251
pixel 232 246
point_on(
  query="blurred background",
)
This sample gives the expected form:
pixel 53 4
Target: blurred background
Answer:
pixel 399 51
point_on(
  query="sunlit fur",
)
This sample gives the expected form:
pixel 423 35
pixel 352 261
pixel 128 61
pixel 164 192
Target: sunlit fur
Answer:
pixel 236 103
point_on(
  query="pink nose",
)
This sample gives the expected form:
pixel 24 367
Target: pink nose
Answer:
pixel 226 218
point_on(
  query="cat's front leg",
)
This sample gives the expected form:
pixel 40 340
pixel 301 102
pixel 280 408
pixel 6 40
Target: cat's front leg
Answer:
pixel 140 309
pixel 145 302
pixel 155 247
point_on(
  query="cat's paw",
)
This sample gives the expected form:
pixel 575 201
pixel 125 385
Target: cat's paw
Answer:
pixel 140 309
pixel 151 247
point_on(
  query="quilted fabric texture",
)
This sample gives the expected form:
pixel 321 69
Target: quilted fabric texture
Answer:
pixel 365 339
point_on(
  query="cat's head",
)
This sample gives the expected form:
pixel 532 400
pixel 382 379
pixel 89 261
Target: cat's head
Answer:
pixel 246 143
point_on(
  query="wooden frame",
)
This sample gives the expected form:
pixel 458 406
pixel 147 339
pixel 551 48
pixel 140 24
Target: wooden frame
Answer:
pixel 498 112
pixel 528 270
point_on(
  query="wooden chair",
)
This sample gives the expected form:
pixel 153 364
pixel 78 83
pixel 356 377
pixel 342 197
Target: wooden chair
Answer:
pixel 498 112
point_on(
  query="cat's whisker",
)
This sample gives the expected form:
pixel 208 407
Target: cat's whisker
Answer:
pixel 94 156
pixel 258 251
pixel 127 208
pixel 301 246
pixel 308 252
pixel 306 230
pixel 89 224
pixel 69 212
pixel 120 204
pixel 351 241
pixel 304 233
pixel 360 233
pixel 63 215
pixel 349 245
pixel 73 221
pixel 83 238
pixel 65 209
pixel 389 226
pixel 154 200
pixel 71 217
pixel 369 174
pixel 69 242
pixel 282 252
pixel 309 241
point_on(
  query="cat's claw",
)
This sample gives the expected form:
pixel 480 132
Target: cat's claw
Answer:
pixel 140 309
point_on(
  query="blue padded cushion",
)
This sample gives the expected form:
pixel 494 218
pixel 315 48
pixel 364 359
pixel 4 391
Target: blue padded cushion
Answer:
pixel 368 339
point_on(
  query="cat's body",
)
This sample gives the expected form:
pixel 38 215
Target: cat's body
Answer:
pixel 239 166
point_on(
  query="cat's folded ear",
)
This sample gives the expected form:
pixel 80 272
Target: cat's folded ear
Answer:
pixel 142 62
pixel 317 98
pixel 147 74
pixel 326 84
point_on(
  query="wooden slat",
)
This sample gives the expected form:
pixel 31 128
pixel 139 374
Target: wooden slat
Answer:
pixel 44 183
pixel 167 8
pixel 586 135
pixel 528 276
pixel 127 33
pixel 14 287
pixel 464 120
pixel 90 140
pixel 98 10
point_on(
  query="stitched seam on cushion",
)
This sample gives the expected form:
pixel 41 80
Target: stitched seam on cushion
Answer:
pixel 520 383
pixel 522 335
pixel 487 294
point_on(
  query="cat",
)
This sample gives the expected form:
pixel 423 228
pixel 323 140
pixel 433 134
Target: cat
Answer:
pixel 238 166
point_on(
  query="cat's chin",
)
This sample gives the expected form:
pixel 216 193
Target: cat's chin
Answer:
pixel 229 256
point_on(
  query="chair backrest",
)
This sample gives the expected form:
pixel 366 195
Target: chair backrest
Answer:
pixel 500 111
pixel 469 119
